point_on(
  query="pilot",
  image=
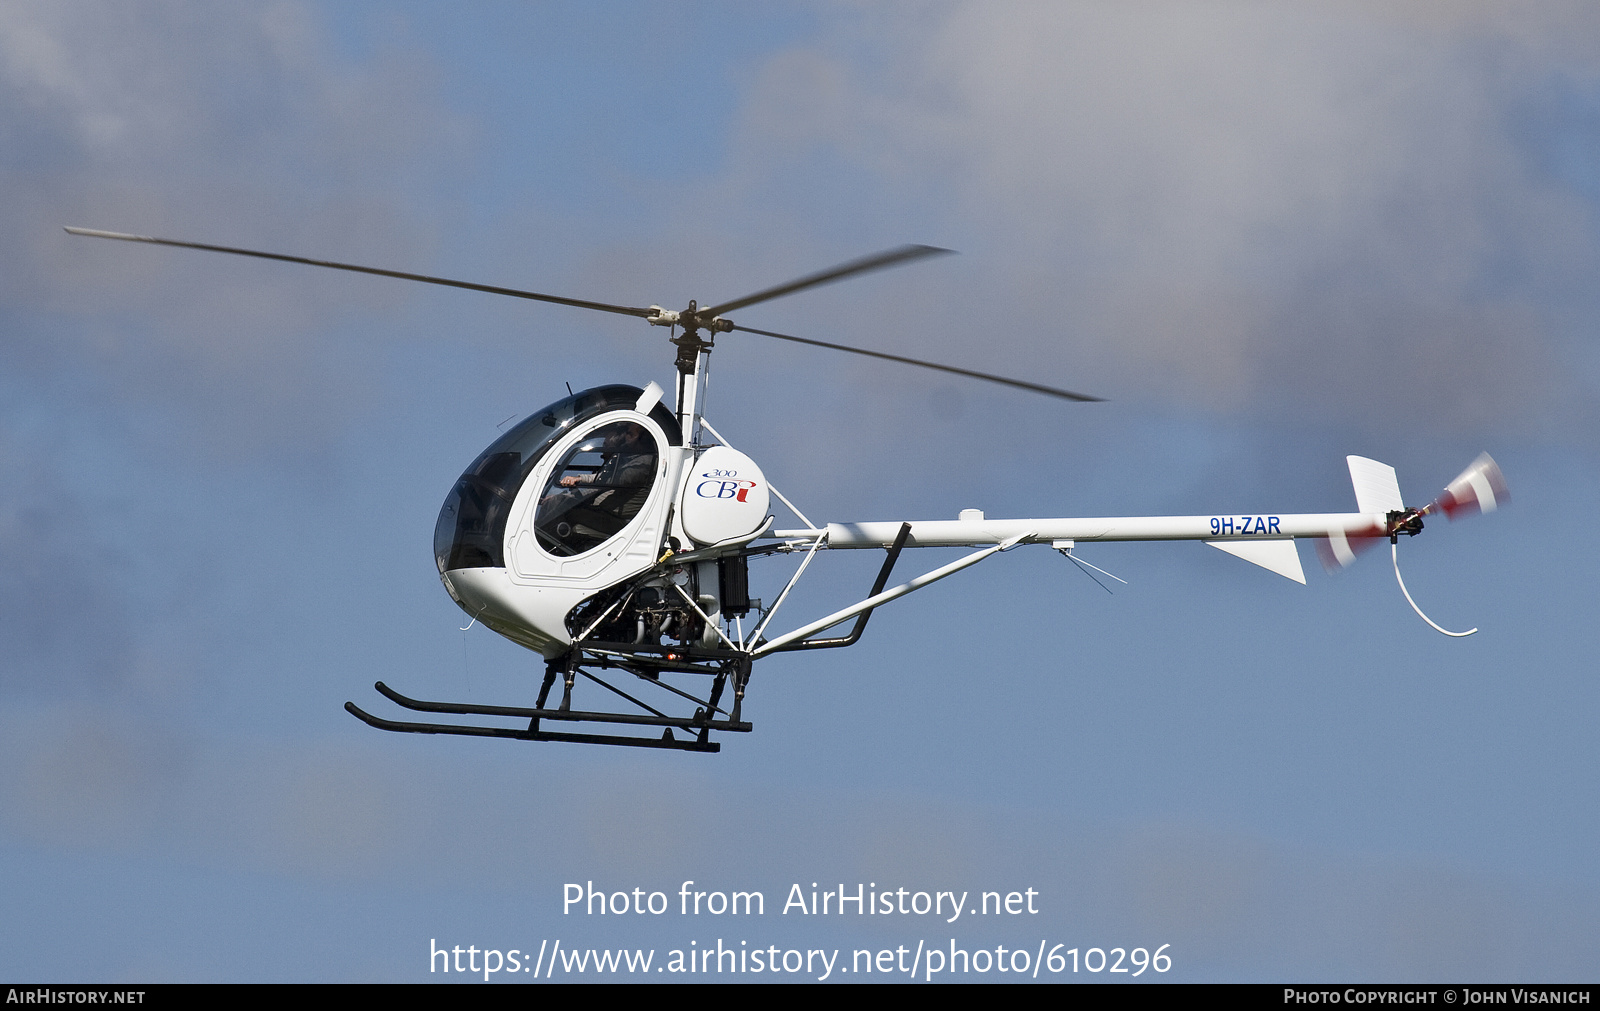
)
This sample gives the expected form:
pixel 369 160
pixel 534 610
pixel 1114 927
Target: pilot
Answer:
pixel 579 510
pixel 630 460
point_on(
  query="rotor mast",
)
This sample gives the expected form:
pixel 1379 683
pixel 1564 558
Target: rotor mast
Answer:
pixel 693 361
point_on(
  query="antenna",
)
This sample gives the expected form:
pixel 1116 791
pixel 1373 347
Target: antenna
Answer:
pixel 1394 551
pixel 1065 547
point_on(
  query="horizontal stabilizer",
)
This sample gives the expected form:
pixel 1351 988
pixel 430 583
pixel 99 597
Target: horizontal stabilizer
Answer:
pixel 1377 488
pixel 1277 554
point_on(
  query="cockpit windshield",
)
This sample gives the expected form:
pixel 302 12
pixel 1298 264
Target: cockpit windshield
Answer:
pixel 472 525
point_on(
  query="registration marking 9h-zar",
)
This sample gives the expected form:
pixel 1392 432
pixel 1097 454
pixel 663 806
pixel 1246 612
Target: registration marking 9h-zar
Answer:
pixel 1245 526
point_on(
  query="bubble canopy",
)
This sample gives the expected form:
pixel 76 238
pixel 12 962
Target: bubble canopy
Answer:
pixel 471 530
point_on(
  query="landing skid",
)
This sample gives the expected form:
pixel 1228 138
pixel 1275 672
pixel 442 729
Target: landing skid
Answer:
pixel 699 726
pixel 650 664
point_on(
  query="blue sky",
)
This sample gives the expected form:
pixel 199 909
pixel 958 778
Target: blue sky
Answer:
pixel 1270 237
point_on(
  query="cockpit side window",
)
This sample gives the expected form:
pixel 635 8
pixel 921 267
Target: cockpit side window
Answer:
pixel 471 529
pixel 597 489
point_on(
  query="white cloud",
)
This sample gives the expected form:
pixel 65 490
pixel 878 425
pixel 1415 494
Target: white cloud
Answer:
pixel 1233 206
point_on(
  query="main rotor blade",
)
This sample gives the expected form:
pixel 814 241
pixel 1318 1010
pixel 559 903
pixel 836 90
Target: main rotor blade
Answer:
pixel 470 286
pixel 877 261
pixel 1018 383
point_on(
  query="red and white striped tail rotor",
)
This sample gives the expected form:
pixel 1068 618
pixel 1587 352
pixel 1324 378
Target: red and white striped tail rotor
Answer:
pixel 1481 488
pixel 1339 550
pixel 1377 493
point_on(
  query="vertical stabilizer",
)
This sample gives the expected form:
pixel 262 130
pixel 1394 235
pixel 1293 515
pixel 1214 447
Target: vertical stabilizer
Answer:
pixel 1377 488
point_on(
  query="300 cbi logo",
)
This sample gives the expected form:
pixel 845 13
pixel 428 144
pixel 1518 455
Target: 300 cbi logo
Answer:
pixel 723 484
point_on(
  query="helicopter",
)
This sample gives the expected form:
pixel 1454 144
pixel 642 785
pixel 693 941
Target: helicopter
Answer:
pixel 613 532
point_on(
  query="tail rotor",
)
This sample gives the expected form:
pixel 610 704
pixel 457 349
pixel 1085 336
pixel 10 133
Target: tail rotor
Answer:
pixel 1481 488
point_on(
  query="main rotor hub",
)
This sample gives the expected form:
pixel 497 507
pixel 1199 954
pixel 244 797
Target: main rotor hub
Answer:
pixel 690 343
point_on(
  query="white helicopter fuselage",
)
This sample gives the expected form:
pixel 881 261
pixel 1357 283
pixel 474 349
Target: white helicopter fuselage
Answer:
pixel 588 512
pixel 527 535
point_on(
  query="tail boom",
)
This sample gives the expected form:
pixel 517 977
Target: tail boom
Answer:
pixel 978 533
